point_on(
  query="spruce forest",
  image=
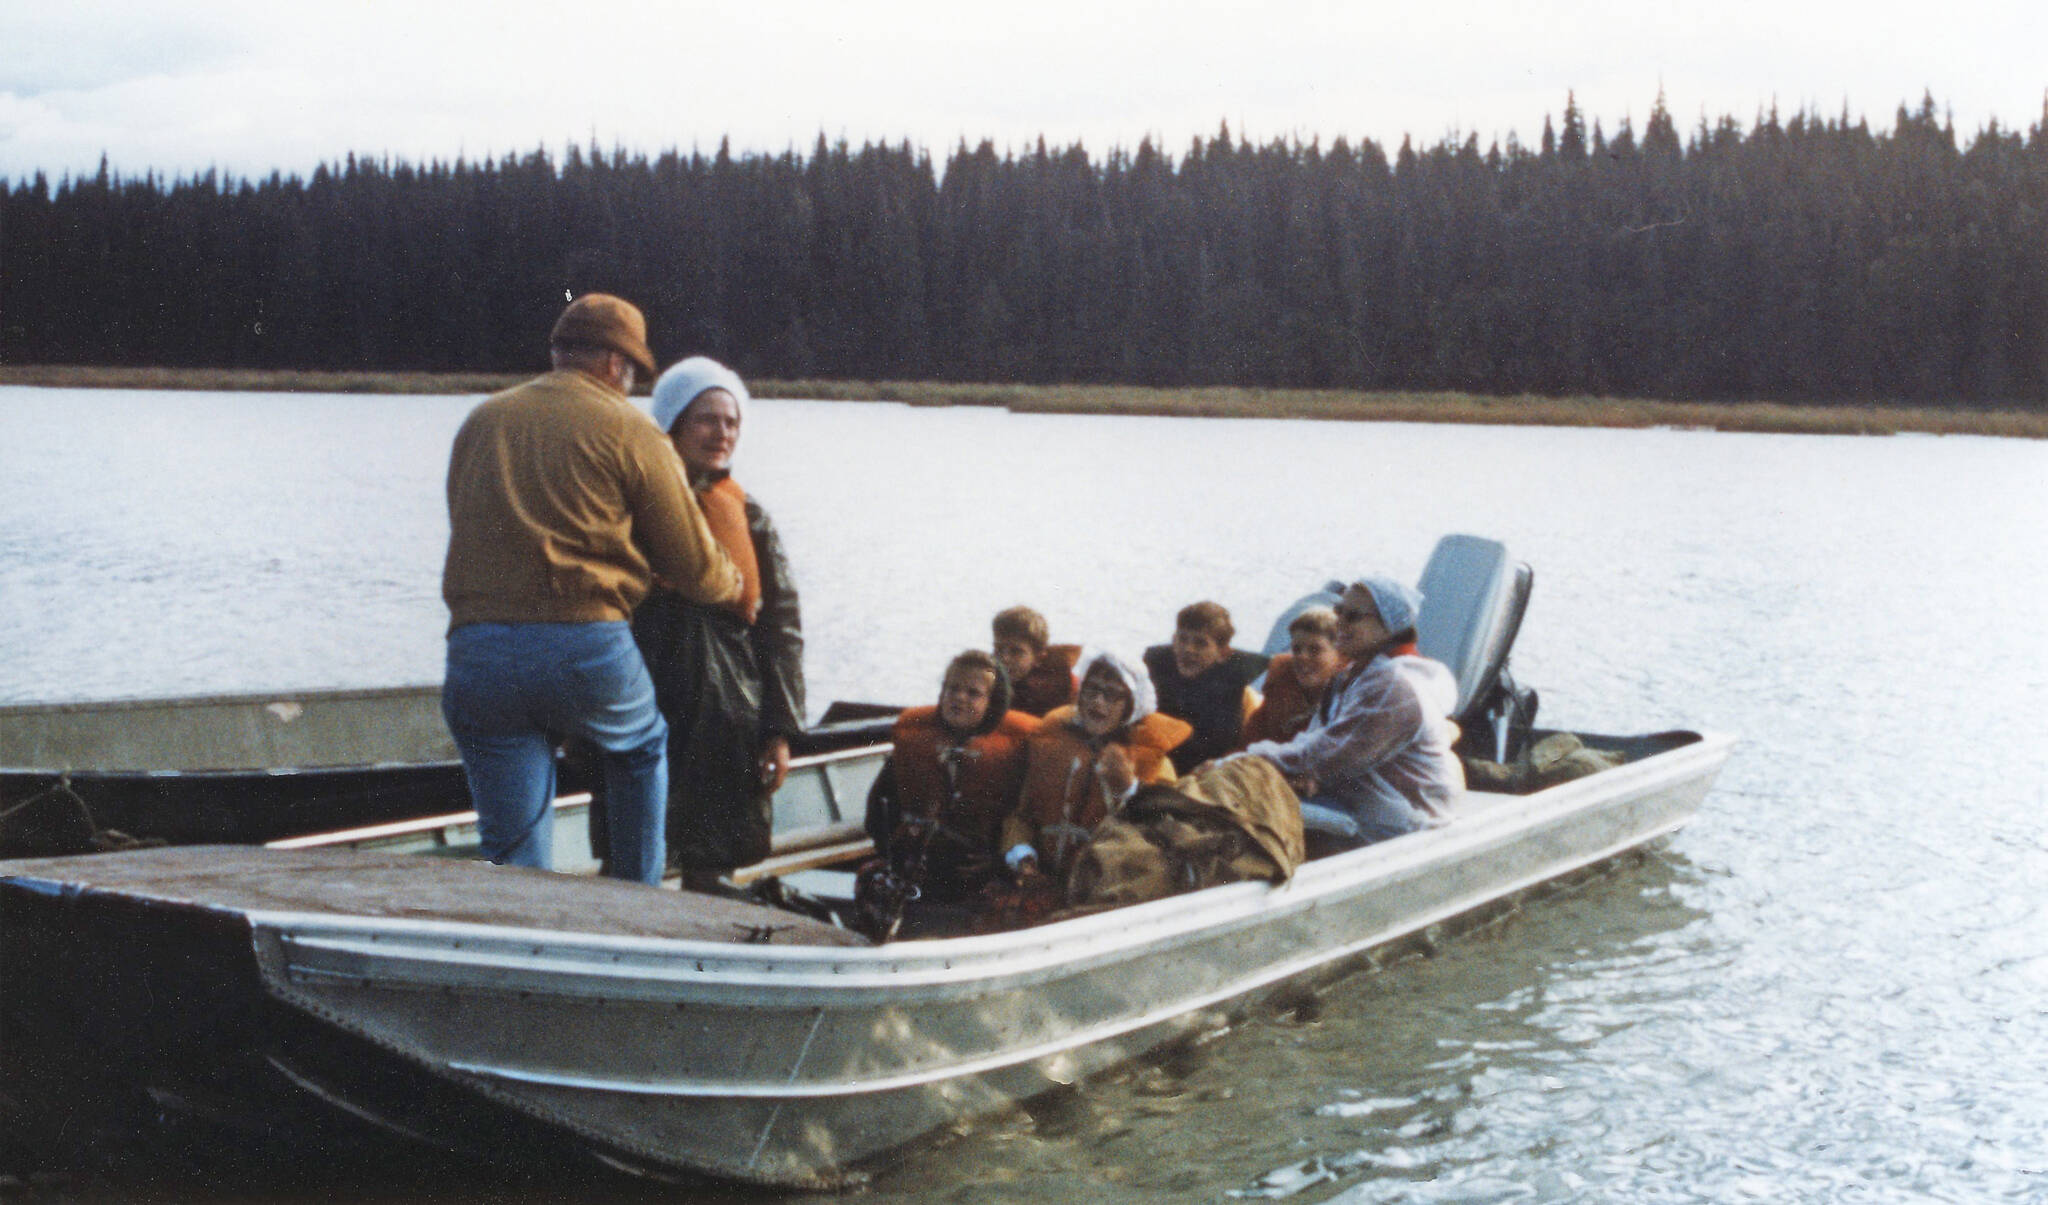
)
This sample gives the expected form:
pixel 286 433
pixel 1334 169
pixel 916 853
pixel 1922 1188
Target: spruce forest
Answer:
pixel 1810 259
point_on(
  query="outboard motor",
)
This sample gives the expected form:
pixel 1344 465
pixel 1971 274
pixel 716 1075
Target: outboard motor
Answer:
pixel 1473 599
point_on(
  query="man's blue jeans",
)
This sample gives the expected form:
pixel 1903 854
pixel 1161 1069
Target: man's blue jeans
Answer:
pixel 512 691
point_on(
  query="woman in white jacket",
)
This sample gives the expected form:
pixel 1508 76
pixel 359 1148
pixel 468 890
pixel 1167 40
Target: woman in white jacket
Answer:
pixel 1375 760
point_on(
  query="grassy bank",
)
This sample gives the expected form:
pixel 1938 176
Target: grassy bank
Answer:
pixel 254 380
pixel 1209 402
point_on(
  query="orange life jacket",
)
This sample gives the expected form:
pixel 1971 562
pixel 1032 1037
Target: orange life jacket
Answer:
pixel 1061 799
pixel 724 505
pixel 988 771
pixel 1050 683
pixel 1288 706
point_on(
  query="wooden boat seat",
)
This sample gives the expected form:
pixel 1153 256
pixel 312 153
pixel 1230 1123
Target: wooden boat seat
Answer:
pixel 240 878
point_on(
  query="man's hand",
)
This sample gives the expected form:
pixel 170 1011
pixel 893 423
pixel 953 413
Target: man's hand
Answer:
pixel 774 763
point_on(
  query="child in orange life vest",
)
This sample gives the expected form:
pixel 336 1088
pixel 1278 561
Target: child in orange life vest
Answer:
pixel 1085 761
pixel 1295 680
pixel 1041 674
pixel 936 808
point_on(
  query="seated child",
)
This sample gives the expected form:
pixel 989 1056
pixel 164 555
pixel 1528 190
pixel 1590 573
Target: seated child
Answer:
pixel 1041 675
pixel 1204 681
pixel 1295 680
pixel 1084 761
pixel 1375 760
pixel 937 807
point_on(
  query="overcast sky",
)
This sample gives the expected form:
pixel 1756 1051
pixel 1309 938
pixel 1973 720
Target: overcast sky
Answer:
pixel 252 85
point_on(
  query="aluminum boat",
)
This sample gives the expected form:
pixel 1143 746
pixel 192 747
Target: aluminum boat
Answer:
pixel 330 994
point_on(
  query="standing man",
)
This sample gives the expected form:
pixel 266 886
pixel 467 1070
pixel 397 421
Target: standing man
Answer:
pixel 564 503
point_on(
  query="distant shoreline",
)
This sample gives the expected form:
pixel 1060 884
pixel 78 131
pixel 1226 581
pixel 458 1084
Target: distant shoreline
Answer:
pixel 1201 402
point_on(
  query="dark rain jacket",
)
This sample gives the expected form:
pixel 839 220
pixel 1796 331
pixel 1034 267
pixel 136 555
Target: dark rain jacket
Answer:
pixel 725 686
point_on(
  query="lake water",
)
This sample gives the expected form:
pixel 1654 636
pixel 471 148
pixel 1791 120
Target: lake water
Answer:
pixel 1833 986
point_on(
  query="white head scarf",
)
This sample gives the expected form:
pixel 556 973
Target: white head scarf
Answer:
pixel 1144 700
pixel 685 379
pixel 1398 603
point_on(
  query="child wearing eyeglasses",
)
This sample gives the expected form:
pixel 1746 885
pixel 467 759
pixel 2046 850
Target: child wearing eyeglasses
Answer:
pixel 1084 761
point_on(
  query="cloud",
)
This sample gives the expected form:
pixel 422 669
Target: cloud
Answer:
pixel 83 47
pixel 251 87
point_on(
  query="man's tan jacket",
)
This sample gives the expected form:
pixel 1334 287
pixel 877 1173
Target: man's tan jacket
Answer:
pixel 564 501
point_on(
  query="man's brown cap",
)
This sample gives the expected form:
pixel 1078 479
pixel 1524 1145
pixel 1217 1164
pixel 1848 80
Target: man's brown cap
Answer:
pixel 602 320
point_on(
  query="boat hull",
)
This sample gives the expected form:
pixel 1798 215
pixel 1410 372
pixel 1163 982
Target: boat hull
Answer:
pixel 798 1064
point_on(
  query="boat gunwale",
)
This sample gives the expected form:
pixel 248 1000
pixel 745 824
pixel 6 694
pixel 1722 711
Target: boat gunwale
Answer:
pixel 844 973
pixel 242 698
pixel 247 701
pixel 422 765
pixel 231 773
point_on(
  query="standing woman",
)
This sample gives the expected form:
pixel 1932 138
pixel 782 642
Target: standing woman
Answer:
pixel 730 678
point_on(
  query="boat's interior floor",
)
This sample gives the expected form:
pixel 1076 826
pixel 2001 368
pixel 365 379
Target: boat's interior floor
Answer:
pixel 403 886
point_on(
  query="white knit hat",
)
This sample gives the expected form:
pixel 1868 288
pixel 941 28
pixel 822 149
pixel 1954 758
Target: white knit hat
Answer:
pixel 1136 679
pixel 685 380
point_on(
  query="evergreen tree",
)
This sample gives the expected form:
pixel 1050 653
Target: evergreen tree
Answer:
pixel 1798 258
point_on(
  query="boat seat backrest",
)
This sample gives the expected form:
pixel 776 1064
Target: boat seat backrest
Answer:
pixel 1277 640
